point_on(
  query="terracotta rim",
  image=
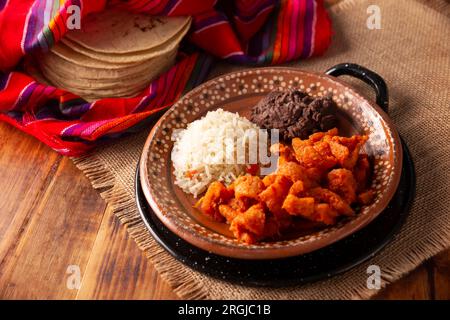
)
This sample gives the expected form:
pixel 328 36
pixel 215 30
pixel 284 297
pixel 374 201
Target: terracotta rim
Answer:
pixel 282 251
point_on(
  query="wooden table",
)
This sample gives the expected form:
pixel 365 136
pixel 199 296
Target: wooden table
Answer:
pixel 51 218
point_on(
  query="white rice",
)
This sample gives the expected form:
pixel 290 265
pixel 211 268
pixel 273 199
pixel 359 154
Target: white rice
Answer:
pixel 205 148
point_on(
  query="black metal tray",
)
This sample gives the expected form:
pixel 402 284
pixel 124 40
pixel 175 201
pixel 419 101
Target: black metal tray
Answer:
pixel 324 263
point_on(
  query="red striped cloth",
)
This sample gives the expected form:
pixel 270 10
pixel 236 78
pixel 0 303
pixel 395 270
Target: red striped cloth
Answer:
pixel 242 31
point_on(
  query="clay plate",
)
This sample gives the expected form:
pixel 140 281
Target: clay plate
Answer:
pixel 239 92
pixel 316 265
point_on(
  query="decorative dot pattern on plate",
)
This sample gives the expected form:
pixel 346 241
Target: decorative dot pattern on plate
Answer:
pixel 241 85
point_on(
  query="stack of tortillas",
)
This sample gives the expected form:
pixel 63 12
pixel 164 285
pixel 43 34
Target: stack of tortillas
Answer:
pixel 114 54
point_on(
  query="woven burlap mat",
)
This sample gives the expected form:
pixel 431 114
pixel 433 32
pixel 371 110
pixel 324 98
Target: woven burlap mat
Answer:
pixel 412 52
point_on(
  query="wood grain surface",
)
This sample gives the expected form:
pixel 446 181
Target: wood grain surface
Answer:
pixel 51 218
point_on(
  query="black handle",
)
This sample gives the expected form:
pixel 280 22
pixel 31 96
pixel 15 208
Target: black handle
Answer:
pixel 366 75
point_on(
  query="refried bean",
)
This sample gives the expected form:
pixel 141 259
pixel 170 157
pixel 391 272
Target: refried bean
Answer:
pixel 295 113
